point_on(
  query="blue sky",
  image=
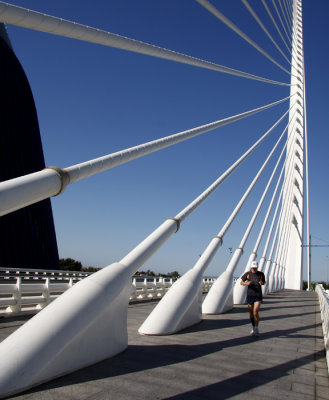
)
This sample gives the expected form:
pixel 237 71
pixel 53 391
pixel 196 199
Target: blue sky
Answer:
pixel 94 100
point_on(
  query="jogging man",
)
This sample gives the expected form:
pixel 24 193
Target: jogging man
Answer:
pixel 254 279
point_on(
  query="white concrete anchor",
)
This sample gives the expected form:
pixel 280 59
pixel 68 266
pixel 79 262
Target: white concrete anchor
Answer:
pixel 271 284
pixel 220 296
pixel 181 306
pixel 267 276
pixel 90 327
pixel 85 325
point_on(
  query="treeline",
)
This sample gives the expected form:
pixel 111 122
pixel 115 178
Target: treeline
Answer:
pixel 69 264
pixel 325 285
pixel 173 274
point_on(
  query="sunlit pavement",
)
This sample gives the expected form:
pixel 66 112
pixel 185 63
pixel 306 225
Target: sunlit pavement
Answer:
pixel 216 359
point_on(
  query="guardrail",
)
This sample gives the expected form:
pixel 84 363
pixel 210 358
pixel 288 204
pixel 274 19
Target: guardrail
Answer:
pixel 30 290
pixel 324 308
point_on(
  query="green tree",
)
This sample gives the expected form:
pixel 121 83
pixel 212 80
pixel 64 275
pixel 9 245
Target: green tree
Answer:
pixel 175 274
pixel 69 264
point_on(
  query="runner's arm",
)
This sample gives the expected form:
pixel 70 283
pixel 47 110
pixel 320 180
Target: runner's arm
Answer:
pixel 244 281
pixel 262 280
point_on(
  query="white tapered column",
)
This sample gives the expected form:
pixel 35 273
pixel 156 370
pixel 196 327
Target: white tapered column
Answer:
pixel 261 264
pixel 281 278
pixel 182 308
pixel 267 273
pixel 181 305
pixel 294 261
pixel 220 296
pixel 271 285
pixel 86 324
pixel 276 278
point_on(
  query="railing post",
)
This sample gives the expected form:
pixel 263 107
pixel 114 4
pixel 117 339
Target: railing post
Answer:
pixel 45 294
pixel 17 295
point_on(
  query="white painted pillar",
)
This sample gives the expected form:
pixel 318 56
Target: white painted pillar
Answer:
pixel 181 306
pixel 271 283
pixel 267 273
pixel 86 324
pixel 294 260
pixel 220 297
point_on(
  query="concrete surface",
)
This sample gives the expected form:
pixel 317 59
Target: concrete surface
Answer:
pixel 216 359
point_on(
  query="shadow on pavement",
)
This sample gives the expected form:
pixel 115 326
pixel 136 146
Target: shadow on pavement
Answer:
pixel 138 358
pixel 245 382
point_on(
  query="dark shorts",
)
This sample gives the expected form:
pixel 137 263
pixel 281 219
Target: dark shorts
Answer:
pixel 253 299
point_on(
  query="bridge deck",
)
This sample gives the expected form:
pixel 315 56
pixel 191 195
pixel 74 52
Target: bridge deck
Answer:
pixel 213 360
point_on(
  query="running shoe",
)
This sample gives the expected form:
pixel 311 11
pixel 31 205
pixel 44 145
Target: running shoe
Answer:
pixel 256 331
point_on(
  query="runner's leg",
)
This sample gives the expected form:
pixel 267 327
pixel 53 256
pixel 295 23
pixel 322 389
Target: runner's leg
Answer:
pixel 251 314
pixel 256 307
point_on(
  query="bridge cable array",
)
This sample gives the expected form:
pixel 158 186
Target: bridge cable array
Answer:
pixel 19 16
pixel 101 290
pixel 206 4
pixel 252 12
pixel 280 19
pixel 20 192
pixel 276 26
pixel 94 311
pixel 178 309
pixel 239 292
pixel 216 300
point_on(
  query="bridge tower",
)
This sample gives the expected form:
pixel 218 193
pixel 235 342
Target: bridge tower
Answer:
pixel 291 229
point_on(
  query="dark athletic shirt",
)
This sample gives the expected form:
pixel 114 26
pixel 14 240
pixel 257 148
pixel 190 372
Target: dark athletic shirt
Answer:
pixel 254 289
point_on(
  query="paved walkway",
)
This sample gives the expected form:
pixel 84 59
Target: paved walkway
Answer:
pixel 216 359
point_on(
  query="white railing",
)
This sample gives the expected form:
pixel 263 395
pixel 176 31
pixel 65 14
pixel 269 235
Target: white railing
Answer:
pixel 144 288
pixel 30 290
pixel 10 273
pixel 324 308
pixel 148 288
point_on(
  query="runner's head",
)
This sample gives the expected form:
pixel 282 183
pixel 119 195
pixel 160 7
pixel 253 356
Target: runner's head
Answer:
pixel 254 266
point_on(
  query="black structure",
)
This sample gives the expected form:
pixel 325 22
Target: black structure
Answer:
pixel 27 236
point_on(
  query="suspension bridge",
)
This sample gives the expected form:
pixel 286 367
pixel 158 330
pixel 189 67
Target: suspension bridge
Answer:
pixel 88 323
